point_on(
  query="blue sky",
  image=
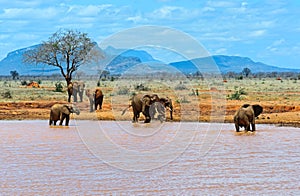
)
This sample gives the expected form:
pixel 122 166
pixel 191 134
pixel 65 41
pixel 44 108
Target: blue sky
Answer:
pixel 264 30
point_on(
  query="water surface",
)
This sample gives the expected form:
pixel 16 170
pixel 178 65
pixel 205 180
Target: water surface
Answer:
pixel 38 159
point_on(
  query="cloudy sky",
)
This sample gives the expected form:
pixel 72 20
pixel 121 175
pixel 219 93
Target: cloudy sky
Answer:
pixel 264 30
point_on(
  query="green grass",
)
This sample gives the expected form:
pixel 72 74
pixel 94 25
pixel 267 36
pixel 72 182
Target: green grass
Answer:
pixel 268 89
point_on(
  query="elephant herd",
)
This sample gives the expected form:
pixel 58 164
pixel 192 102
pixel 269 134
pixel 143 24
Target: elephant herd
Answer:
pixel 78 87
pixel 150 105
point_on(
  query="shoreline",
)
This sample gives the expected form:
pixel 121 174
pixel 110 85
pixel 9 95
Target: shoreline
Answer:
pixel 280 115
pixel 278 124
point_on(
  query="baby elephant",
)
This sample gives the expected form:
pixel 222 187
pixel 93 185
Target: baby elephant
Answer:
pixel 62 112
pixel 246 115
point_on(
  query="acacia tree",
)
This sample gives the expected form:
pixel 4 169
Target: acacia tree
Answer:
pixel 246 71
pixel 66 50
pixel 14 74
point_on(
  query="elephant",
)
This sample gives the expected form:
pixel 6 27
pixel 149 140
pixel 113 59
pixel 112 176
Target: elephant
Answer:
pixel 159 106
pixel 98 98
pixel 246 115
pixel 62 112
pixel 157 111
pixel 90 96
pixel 141 103
pixel 167 103
pixel 149 105
pixel 75 88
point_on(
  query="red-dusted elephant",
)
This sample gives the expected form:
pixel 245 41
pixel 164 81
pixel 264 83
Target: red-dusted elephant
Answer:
pixel 62 112
pixel 246 115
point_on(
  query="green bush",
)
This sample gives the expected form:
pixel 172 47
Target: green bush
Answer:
pixel 142 87
pixel 123 91
pixel 237 94
pixel 58 87
pixel 6 95
pixel 23 83
pixel 180 87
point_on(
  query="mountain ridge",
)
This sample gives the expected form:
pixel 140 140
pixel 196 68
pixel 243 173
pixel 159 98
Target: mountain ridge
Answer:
pixel 120 60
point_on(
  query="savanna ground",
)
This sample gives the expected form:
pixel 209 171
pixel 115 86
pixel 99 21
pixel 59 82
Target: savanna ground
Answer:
pixel 216 101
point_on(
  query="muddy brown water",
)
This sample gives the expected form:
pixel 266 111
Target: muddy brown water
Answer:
pixel 95 158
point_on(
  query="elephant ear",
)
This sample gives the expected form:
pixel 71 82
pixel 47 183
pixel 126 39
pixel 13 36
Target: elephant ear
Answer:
pixel 66 109
pixel 146 100
pixel 154 98
pixel 257 110
pixel 245 105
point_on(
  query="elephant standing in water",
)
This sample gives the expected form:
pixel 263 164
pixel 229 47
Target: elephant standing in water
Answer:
pixel 167 103
pixel 149 105
pixel 75 88
pixel 62 112
pixel 159 106
pixel 246 115
pixel 141 103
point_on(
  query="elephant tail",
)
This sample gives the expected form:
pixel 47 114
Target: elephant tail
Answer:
pixel 124 111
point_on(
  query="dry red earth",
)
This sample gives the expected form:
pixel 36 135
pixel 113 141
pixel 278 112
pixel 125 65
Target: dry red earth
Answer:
pixel 274 113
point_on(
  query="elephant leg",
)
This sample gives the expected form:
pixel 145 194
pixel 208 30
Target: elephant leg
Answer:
pixel 100 102
pixel 62 119
pixel 146 114
pixel 253 126
pixel 147 120
pixel 136 116
pixel 91 105
pixel 237 127
pixel 247 127
pixel 171 114
pixel 69 98
pixel 75 97
pixel 67 120
pixel 80 96
pixel 96 105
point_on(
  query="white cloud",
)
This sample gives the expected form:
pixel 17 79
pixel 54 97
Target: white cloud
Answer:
pixel 257 33
pixel 276 45
pixel 221 51
pixel 23 13
pixel 278 42
pixel 220 4
pixel 136 19
pixel 172 13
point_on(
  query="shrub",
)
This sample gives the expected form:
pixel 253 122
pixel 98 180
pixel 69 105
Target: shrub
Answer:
pixel 182 100
pixel 180 87
pixel 141 87
pixel 6 95
pixel 123 91
pixel 23 83
pixel 58 87
pixel 237 94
